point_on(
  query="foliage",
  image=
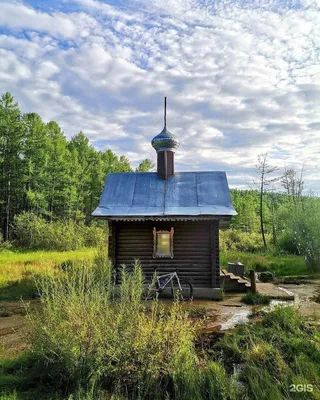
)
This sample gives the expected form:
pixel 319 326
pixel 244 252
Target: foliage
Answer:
pixel 236 240
pixel 19 267
pixel 85 340
pixel 145 166
pixel 9 396
pixel 34 232
pixel 305 228
pixel 280 265
pixel 255 298
pixel 42 172
pixel 4 245
pixel 257 361
pixel 273 354
pixel 286 243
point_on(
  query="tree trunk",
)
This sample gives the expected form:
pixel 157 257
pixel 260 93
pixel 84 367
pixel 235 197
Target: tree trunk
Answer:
pixel 261 212
pixel 8 211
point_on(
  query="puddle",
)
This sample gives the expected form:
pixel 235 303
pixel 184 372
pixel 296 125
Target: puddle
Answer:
pixel 243 315
pixel 277 303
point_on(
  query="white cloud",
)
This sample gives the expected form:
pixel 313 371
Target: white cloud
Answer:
pixel 241 78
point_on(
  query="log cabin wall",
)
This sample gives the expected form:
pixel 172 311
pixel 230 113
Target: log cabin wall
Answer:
pixel 195 247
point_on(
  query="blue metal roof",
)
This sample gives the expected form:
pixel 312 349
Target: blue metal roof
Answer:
pixel 184 194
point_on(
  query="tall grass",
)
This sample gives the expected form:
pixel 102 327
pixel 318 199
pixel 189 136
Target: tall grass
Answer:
pixel 280 265
pixel 9 396
pixel 92 342
pixel 279 351
pixel 85 340
pixel 19 267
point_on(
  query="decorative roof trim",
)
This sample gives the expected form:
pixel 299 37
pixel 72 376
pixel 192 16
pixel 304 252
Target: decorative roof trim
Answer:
pixel 205 218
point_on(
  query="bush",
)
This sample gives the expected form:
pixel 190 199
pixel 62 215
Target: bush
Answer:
pixel 85 340
pixel 304 227
pixel 4 245
pixel 236 240
pixel 255 298
pixel 286 243
pixel 34 232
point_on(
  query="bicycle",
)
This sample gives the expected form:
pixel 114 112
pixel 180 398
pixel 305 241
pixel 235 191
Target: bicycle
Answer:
pixel 181 288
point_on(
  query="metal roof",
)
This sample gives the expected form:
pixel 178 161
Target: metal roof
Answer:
pixel 184 194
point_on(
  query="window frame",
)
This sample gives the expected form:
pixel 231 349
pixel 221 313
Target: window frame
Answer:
pixel 155 243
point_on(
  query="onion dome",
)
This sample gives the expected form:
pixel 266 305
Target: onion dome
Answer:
pixel 165 141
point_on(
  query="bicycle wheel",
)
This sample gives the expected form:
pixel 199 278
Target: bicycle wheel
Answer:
pixel 186 291
pixel 150 290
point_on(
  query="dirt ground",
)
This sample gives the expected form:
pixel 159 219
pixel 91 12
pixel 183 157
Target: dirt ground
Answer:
pixel 12 328
pixel 214 315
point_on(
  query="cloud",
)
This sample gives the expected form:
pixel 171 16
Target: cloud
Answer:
pixel 17 16
pixel 241 78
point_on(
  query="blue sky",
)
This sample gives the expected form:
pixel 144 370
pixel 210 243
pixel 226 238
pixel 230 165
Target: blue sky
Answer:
pixel 242 77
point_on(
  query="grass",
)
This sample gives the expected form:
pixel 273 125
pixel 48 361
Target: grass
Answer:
pixel 19 266
pixel 280 265
pixel 271 355
pixel 79 342
pixel 83 340
pixel 9 396
pixel 259 361
pixel 256 298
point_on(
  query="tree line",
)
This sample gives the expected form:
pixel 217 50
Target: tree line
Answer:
pixel 267 210
pixel 43 172
pixel 46 175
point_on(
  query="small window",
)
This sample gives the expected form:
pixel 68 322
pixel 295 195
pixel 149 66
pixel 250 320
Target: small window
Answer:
pixel 162 243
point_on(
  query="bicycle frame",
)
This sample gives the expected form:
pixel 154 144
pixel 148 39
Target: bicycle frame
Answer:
pixel 170 277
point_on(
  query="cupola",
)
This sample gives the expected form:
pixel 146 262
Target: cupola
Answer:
pixel 165 145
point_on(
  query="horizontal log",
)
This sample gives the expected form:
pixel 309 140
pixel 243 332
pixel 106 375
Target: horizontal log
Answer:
pixel 165 267
pixel 178 253
pixel 149 235
pixel 141 240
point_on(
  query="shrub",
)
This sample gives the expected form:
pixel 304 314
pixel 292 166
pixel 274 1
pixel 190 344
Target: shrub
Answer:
pixel 255 298
pixel 236 240
pixel 304 227
pixel 286 243
pixel 84 340
pixel 4 245
pixel 35 232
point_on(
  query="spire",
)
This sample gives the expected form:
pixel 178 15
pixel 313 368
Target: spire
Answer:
pixel 165 145
pixel 165 141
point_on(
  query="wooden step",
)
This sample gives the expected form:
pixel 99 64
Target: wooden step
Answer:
pixel 231 282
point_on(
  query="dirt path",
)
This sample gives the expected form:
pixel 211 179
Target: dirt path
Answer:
pixel 13 327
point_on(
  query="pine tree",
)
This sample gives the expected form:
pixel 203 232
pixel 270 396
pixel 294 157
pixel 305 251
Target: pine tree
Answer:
pixel 11 162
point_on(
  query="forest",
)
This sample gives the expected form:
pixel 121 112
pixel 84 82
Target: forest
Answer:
pixel 49 186
pixel 45 174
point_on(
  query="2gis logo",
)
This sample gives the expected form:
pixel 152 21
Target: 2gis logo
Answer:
pixel 305 387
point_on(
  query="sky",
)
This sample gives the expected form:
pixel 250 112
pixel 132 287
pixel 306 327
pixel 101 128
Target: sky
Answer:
pixel 241 77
